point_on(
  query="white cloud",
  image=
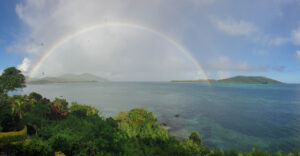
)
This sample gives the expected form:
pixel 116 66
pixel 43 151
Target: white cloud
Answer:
pixel 278 41
pixel 296 36
pixel 234 27
pixel 1 71
pixel 223 74
pixel 298 54
pixel 25 66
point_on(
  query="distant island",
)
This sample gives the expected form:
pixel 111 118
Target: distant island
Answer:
pixel 67 78
pixel 238 80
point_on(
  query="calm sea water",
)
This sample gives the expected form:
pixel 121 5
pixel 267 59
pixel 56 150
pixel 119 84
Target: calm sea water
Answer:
pixel 226 116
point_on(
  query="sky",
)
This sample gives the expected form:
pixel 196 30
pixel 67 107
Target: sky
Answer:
pixel 129 40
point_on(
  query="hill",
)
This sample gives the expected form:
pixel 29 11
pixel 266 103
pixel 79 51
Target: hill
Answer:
pixel 68 78
pixel 239 80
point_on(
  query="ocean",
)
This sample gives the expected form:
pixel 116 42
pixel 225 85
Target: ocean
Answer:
pixel 225 115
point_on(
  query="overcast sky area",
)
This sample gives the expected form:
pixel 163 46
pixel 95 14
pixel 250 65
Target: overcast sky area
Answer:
pixel 130 40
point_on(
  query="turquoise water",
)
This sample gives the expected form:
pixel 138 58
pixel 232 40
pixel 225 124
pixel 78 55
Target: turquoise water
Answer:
pixel 226 116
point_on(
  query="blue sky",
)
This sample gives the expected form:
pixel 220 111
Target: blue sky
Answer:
pixel 9 28
pixel 227 37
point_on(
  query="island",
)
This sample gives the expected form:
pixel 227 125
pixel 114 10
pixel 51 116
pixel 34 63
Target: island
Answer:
pixel 67 78
pixel 238 80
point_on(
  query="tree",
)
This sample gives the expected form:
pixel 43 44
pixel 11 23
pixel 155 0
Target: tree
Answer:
pixel 10 80
pixel 35 96
pixel 37 116
pixel 196 138
pixel 59 109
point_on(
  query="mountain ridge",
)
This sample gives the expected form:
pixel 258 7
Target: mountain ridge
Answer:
pixel 68 78
pixel 238 80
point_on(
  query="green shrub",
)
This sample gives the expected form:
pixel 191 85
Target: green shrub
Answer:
pixel 196 138
pixel 83 110
pixel 37 147
pixel 15 136
pixel 63 143
pixel 140 123
pixel 35 96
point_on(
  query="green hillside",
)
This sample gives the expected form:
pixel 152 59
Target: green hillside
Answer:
pixel 239 80
pixel 250 80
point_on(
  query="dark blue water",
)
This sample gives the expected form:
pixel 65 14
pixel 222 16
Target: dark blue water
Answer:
pixel 226 116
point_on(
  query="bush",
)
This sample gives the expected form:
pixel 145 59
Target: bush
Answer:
pixel 195 138
pixel 83 110
pixel 35 96
pixel 63 143
pixel 10 137
pixel 38 147
pixel 140 123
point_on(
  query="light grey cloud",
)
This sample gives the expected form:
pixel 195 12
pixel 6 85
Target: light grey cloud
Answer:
pixel 234 27
pixel 223 74
pixel 119 53
pixel 298 54
pixel 287 1
pixel 115 52
pixel 35 12
pixel 203 2
pixel 260 52
pixel 126 53
pixel 277 41
pixel 224 63
pixel 296 36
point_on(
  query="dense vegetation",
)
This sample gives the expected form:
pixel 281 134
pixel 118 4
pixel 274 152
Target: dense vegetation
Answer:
pixel 54 127
pixel 239 80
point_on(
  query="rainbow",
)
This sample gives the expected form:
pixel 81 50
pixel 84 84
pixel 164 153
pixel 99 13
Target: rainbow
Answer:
pixel 105 25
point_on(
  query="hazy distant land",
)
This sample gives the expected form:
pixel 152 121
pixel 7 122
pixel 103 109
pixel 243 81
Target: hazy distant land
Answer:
pixel 238 80
pixel 67 78
pixel 74 78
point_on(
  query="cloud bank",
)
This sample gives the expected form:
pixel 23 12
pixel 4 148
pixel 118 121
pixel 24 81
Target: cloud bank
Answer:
pixel 131 54
pixel 114 52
